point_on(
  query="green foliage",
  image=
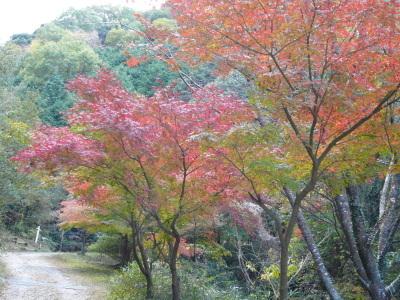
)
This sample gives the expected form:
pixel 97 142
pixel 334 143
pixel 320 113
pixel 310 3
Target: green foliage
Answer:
pixel 54 100
pixel 272 272
pixel 50 33
pixel 65 59
pixel 202 75
pixel 128 284
pixel 217 252
pixel 146 77
pixel 120 38
pixel 142 79
pixel 234 83
pixel 22 39
pixel 25 201
pixel 155 14
pixel 196 284
pixel 107 244
pixel 167 24
pixel 99 19
pixel 11 60
pixel 55 58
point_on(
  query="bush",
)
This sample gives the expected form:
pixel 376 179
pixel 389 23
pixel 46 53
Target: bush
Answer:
pixel 106 244
pixel 130 284
pixel 196 284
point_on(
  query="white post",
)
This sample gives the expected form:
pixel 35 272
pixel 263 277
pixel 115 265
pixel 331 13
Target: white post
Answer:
pixel 37 234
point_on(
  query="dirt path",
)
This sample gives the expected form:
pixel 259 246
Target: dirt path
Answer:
pixel 34 276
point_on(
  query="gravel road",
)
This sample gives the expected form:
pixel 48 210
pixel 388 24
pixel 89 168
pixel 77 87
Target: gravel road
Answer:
pixel 33 276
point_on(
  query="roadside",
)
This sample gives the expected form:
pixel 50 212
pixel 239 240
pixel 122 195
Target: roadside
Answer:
pixel 45 276
pixel 92 270
pixel 3 275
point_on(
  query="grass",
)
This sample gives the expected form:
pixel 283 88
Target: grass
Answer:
pixel 91 270
pixel 3 275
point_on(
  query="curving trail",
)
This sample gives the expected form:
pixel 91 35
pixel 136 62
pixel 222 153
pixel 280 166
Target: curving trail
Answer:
pixel 33 276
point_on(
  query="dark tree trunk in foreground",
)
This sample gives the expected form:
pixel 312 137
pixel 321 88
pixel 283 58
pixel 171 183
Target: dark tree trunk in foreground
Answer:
pixel 172 262
pixel 125 250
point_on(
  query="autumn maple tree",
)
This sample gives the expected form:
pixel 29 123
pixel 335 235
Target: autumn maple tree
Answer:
pixel 326 69
pixel 151 149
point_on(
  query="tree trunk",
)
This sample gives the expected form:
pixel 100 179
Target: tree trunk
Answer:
pixel 283 278
pixel 173 257
pixel 125 250
pixel 376 287
pixel 195 242
pixel 388 218
pixel 142 259
pixel 344 216
pixel 387 246
pixel 83 248
pixel 394 287
pixel 149 287
pixel 288 231
pixel 283 245
pixel 243 268
pixel 384 195
pixel 313 248
pixel 62 241
pixel 319 262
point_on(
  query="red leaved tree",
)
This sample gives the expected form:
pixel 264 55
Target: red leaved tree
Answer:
pixel 150 148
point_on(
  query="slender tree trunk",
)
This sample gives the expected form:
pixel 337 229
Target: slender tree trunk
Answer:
pixel 388 218
pixel 83 248
pixel 384 195
pixel 387 245
pixel 125 250
pixel 283 278
pixel 312 246
pixel 288 232
pixel 376 287
pixel 195 243
pixel 149 286
pixel 394 287
pixel 366 264
pixel 62 241
pixel 146 271
pixel 142 259
pixel 319 262
pixel 283 245
pixel 243 268
pixel 386 209
pixel 175 279
pixel 344 216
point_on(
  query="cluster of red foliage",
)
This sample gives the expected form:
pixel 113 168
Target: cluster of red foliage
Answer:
pixel 55 147
pixel 161 136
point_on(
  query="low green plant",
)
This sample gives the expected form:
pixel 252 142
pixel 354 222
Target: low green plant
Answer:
pixel 196 284
pixel 106 244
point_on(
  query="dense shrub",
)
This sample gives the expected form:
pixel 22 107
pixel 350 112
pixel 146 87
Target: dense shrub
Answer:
pixel 196 283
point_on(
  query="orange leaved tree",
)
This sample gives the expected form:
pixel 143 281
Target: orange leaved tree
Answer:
pixel 325 69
